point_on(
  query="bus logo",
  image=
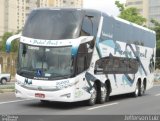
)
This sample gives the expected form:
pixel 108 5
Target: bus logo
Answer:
pixel 38 73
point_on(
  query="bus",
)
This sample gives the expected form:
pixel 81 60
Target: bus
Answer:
pixel 70 55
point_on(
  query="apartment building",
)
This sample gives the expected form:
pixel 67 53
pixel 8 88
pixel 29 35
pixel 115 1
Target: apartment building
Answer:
pixel 150 9
pixel 66 3
pixel 13 13
pixel 8 16
pixel 141 5
pixel 154 10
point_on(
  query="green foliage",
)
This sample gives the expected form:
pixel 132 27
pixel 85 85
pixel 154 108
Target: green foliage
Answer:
pixel 14 46
pixel 5 36
pixel 156 28
pixel 130 14
pixel 119 5
pixel 157 66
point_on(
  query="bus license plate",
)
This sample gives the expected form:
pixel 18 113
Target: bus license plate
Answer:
pixel 39 95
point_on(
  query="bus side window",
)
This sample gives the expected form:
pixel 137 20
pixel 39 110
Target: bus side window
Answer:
pixel 81 58
pixel 84 56
pixel 86 29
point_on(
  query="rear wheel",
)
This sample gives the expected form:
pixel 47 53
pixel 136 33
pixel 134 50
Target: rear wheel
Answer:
pixel 142 90
pixel 137 90
pixel 93 98
pixel 104 94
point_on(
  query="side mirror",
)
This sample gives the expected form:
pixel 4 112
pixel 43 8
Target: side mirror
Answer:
pixel 9 40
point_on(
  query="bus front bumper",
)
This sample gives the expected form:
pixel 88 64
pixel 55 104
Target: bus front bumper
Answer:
pixel 63 95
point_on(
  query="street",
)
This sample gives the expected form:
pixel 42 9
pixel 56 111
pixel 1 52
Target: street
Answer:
pixel 118 105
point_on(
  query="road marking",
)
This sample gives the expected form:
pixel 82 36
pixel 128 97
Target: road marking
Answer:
pixel 14 101
pixel 156 85
pixel 102 106
pixel 157 95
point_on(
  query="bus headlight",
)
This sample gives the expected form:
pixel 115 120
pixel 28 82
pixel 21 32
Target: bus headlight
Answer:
pixel 68 95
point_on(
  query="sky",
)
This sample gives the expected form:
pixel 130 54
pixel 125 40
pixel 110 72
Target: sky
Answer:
pixel 106 6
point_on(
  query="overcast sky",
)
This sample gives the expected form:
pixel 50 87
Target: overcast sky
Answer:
pixel 107 6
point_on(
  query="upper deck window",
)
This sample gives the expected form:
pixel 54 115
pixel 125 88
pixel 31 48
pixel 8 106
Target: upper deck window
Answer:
pixel 53 24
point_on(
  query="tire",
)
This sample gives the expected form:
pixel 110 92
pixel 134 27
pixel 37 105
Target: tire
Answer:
pixel 142 90
pixel 104 94
pixel 3 81
pixel 93 98
pixel 137 90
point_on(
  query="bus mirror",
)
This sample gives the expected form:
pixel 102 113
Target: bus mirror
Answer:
pixel 9 40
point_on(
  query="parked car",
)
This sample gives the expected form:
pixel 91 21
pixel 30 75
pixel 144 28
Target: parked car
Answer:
pixel 4 78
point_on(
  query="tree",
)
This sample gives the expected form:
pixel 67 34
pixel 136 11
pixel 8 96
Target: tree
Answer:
pixel 130 14
pixel 156 28
pixel 14 46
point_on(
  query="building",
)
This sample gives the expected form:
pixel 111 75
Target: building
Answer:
pixel 13 13
pixel 66 3
pixel 33 4
pixel 154 10
pixel 141 5
pixel 150 9
pixel 8 16
pixel 21 14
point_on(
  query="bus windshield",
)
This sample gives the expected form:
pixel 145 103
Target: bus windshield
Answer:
pixel 49 24
pixel 45 62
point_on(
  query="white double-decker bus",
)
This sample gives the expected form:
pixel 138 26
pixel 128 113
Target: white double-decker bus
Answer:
pixel 71 55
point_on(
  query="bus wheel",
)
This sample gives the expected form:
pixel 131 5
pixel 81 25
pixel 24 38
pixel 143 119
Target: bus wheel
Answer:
pixel 137 90
pixel 142 90
pixel 104 96
pixel 93 97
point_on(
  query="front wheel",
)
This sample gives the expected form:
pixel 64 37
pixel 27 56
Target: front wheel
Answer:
pixel 93 98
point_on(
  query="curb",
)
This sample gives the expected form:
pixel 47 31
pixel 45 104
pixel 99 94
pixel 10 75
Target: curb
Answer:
pixel 6 90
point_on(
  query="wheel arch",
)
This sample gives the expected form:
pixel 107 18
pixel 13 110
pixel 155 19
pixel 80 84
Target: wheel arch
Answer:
pixel 108 85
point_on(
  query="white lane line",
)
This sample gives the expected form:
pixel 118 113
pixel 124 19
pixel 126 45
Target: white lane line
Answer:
pixel 156 85
pixel 14 101
pixel 102 106
pixel 157 95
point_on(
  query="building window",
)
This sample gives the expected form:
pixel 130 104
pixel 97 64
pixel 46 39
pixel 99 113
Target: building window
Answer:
pixel 138 2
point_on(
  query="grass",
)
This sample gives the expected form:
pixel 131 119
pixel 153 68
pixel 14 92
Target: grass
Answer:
pixel 7 88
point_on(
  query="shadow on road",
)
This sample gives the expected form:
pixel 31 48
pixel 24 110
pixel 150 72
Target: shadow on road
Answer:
pixel 75 105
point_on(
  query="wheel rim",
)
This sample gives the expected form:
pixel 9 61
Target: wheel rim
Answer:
pixel 104 94
pixel 142 89
pixel 136 91
pixel 3 81
pixel 93 95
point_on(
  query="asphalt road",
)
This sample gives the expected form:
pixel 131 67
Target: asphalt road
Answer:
pixel 118 105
